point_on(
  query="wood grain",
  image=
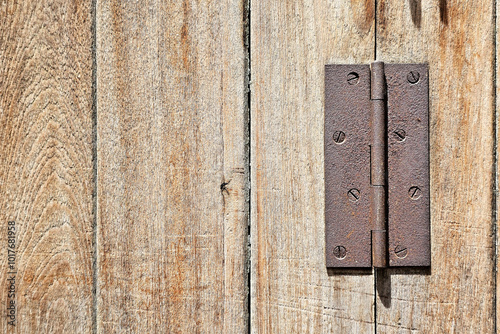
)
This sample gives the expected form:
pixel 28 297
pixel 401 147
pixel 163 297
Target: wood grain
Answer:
pixel 46 178
pixel 497 149
pixel 291 291
pixel 456 39
pixel 172 167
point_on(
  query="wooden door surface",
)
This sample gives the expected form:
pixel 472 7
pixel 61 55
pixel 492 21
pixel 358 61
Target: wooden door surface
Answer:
pixel 161 166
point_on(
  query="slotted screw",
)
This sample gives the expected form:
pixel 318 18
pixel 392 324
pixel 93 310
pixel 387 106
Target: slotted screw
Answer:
pixel 339 252
pixel 399 134
pixel 353 78
pixel 339 137
pixel 413 77
pixel 353 195
pixel 401 251
pixel 415 193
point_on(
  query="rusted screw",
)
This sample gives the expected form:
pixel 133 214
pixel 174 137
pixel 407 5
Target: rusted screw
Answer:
pixel 339 137
pixel 353 195
pixel 401 251
pixel 413 77
pixel 353 78
pixel 415 193
pixel 340 252
pixel 400 135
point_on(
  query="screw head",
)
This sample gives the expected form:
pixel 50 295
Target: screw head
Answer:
pixel 353 78
pixel 413 77
pixel 415 193
pixel 401 251
pixel 340 252
pixel 399 134
pixel 339 137
pixel 353 195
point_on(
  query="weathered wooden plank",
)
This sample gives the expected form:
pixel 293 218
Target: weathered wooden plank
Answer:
pixel 46 178
pixel 172 168
pixel 456 39
pixel 497 148
pixel 291 41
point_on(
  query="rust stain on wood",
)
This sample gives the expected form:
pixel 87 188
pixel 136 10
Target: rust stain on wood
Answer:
pixel 416 12
pixel 443 11
pixel 381 15
pixel 185 39
pixel 363 13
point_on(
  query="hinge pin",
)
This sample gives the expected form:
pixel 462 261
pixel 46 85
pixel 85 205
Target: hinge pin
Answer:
pixel 378 165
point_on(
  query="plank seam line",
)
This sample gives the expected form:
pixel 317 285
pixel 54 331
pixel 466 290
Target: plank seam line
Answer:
pixel 248 78
pixel 495 170
pixel 94 163
pixel 375 271
pixel 375 30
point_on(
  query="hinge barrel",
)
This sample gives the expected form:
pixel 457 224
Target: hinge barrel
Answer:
pixel 378 166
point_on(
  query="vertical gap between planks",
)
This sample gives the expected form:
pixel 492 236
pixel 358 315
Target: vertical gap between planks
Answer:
pixel 248 78
pixel 375 31
pixel 375 300
pixel 375 271
pixel 94 163
pixel 495 167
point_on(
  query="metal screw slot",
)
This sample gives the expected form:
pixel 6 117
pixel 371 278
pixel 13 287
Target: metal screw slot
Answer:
pixel 353 195
pixel 400 135
pixel 340 252
pixel 413 77
pixel 415 193
pixel 339 137
pixel 401 251
pixel 353 78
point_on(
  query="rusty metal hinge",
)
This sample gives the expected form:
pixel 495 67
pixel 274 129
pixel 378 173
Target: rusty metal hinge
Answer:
pixel 377 165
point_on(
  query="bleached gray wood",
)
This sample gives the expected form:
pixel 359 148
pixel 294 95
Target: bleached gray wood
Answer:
pixel 172 167
pixel 456 39
pixel 291 291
